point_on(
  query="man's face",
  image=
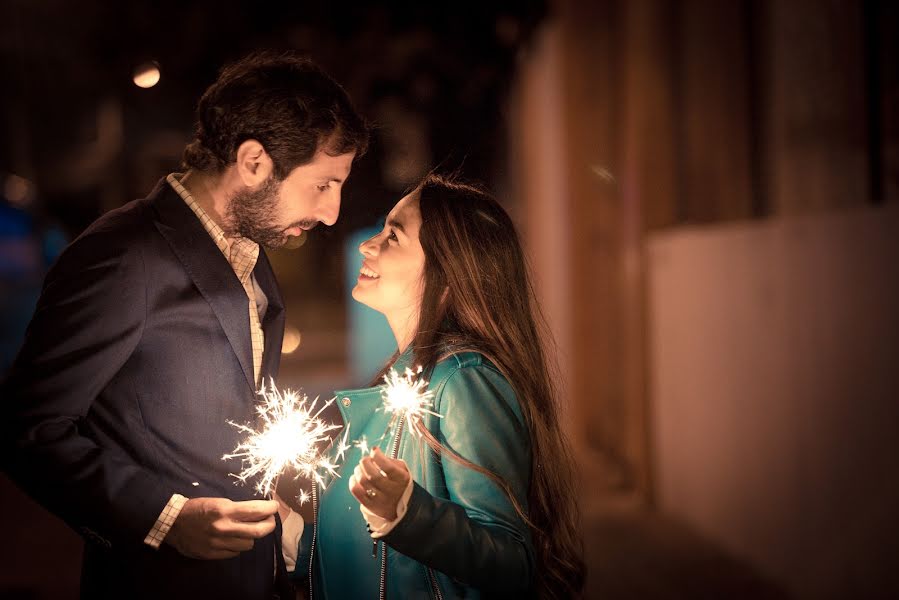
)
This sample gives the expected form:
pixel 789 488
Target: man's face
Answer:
pixel 275 211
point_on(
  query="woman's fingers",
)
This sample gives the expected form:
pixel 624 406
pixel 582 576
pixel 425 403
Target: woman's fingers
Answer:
pixel 393 469
pixel 372 476
pixel 375 490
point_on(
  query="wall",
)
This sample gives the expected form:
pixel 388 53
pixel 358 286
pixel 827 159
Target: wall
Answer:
pixel 774 382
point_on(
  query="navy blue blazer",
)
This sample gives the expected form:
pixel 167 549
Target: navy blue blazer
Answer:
pixel 137 355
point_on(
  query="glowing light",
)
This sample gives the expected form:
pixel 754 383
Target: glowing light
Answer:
pixel 303 497
pixel 407 398
pixel 290 430
pixel 18 190
pixel 292 340
pixel 146 75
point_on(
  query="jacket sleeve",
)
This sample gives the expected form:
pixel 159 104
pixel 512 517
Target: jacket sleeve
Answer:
pixel 476 536
pixel 88 320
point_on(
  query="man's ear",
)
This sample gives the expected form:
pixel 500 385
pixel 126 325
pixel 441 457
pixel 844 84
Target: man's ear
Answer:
pixel 254 165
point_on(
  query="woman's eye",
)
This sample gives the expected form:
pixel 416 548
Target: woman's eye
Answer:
pixel 323 188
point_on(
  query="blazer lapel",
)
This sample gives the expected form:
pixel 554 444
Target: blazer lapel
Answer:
pixel 273 322
pixel 209 269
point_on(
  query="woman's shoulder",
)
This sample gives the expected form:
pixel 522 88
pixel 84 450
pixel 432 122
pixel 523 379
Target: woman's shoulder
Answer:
pixel 453 361
pixel 463 370
pixel 468 385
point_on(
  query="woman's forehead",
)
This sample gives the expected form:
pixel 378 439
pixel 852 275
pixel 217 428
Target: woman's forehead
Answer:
pixel 406 211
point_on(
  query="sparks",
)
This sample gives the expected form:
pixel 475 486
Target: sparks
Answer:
pixel 407 398
pixel 342 445
pixel 289 434
pixel 303 497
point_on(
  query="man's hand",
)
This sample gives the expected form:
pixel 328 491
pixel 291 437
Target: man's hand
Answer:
pixel 216 528
pixel 284 509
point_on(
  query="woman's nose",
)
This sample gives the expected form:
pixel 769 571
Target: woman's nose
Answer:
pixel 369 247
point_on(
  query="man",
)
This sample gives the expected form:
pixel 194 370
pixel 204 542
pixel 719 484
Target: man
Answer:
pixel 154 329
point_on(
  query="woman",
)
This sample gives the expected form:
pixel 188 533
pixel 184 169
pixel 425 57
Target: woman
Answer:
pixel 476 502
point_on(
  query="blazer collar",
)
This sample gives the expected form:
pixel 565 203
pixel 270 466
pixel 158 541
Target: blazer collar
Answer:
pixel 273 322
pixel 210 271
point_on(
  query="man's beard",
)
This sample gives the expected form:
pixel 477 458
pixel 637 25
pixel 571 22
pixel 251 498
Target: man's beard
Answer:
pixel 251 214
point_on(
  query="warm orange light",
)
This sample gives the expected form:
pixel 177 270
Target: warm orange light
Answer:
pixel 18 190
pixel 146 75
pixel 292 339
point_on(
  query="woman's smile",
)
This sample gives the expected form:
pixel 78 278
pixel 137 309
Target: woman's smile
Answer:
pixel 366 273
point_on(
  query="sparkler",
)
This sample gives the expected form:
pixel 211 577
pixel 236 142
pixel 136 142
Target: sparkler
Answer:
pixel 290 430
pixel 407 398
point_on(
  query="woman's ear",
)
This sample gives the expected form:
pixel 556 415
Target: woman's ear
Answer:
pixel 254 165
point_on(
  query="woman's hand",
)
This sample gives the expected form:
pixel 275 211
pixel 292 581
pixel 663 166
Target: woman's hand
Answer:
pixel 379 483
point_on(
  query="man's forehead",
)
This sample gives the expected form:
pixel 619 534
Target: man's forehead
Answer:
pixel 328 166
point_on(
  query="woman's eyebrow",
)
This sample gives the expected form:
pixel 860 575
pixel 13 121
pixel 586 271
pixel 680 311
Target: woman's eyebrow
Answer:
pixel 396 225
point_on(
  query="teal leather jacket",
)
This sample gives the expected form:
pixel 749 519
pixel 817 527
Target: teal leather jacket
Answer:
pixel 461 536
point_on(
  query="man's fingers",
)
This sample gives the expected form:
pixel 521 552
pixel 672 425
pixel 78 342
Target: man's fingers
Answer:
pixel 251 510
pixel 226 528
pixel 232 544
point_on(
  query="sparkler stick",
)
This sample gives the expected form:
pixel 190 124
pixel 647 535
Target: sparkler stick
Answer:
pixel 290 430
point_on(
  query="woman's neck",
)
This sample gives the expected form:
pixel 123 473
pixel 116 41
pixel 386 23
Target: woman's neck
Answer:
pixel 403 324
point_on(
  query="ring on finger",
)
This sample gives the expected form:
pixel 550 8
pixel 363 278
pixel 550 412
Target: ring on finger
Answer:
pixel 370 493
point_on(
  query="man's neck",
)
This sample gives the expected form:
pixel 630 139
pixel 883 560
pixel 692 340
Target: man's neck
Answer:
pixel 210 192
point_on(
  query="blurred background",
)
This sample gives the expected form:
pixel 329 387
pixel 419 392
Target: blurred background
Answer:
pixel 708 192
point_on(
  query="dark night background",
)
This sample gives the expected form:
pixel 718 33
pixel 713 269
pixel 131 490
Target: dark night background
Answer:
pixel 709 194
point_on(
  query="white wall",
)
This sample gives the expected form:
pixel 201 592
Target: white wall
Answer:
pixel 775 394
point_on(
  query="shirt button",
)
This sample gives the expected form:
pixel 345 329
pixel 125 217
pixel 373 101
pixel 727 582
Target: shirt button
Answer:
pixel 346 401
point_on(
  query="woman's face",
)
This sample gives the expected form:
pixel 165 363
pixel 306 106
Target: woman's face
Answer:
pixel 391 279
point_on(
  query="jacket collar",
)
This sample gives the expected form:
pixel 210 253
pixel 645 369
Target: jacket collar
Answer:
pixel 216 281
pixel 358 406
pixel 273 322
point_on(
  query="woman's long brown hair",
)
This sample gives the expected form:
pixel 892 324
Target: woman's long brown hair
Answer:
pixel 478 296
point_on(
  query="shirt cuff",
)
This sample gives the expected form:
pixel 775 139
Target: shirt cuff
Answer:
pixel 291 532
pixel 379 526
pixel 165 520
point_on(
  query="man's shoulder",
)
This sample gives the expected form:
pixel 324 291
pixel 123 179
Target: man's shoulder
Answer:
pixel 120 232
pixel 128 224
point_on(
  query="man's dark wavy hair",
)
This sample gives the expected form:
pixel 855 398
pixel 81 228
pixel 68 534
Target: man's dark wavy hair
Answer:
pixel 283 101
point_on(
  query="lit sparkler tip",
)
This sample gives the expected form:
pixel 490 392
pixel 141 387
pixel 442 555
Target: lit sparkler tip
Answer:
pixel 303 497
pixel 288 436
pixel 407 396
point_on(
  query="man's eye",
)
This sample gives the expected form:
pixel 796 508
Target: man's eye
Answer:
pixel 392 236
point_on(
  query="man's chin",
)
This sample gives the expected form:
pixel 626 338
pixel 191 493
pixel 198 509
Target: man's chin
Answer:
pixel 289 242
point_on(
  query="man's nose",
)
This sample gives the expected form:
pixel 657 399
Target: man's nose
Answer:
pixel 329 209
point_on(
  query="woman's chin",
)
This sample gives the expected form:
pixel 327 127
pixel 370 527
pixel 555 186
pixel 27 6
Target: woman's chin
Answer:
pixel 359 294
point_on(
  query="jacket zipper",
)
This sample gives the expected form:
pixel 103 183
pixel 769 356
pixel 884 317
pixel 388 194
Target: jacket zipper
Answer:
pixel 432 579
pixel 394 450
pixel 314 533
